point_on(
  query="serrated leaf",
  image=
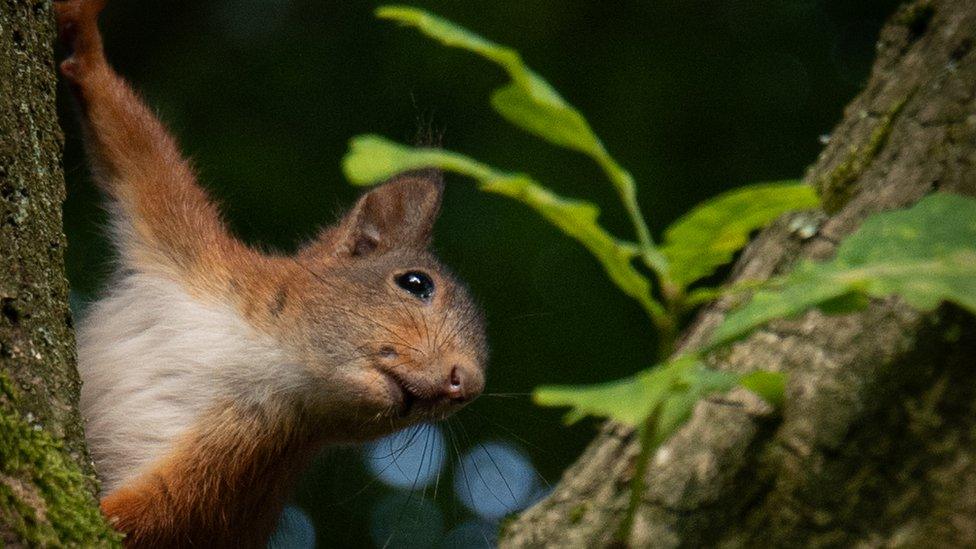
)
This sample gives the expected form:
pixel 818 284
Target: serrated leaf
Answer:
pixel 529 102
pixel 630 400
pixel 667 392
pixel 709 235
pixel 372 159
pixel 925 254
pixel 695 383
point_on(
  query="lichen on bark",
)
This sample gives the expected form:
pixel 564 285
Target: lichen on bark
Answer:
pixel 47 485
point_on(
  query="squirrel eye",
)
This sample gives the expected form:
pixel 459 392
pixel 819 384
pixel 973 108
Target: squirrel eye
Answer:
pixel 417 283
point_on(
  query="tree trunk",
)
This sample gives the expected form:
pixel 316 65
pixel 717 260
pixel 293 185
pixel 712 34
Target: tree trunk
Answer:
pixel 47 489
pixel 876 445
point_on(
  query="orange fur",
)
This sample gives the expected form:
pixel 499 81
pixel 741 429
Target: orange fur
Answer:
pixel 242 456
pixel 370 357
pixel 140 166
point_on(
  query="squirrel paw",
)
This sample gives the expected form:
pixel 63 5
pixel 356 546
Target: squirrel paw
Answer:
pixel 78 31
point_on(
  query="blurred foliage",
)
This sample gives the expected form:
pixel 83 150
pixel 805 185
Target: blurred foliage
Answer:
pixel 709 235
pixel 532 104
pixel 666 393
pixel 925 254
pixel 697 98
pixel 656 401
pixel 372 159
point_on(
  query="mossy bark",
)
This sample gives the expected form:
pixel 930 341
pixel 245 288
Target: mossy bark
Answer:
pixel 876 445
pixel 47 486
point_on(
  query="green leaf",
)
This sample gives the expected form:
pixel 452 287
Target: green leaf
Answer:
pixel 630 400
pixel 771 386
pixel 529 101
pixel 558 124
pixel 667 392
pixel 925 254
pixel 709 235
pixel 372 159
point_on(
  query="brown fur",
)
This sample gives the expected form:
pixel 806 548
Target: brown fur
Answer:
pixel 373 358
pixel 243 456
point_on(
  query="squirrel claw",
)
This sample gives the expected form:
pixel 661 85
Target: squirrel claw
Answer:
pixel 78 31
pixel 69 68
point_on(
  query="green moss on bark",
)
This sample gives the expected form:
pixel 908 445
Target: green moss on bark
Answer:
pixel 44 499
pixel 47 485
pixel 836 187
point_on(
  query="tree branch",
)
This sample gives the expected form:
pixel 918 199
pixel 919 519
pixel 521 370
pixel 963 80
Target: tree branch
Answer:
pixel 876 441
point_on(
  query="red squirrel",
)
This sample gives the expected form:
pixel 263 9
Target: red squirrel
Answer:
pixel 212 371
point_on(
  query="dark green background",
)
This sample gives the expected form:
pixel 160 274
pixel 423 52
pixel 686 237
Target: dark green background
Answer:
pixel 693 97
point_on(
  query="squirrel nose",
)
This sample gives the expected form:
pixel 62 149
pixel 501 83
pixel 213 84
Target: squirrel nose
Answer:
pixel 463 383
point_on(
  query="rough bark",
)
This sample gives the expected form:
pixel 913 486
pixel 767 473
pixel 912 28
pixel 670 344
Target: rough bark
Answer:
pixel 46 483
pixel 876 445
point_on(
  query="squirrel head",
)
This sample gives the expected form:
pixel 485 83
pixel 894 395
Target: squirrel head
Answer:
pixel 388 336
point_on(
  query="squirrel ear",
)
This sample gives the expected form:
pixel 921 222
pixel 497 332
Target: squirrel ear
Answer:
pixel 398 214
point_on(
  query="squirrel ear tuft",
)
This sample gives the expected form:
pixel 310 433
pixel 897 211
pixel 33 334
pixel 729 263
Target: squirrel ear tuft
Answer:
pixel 398 214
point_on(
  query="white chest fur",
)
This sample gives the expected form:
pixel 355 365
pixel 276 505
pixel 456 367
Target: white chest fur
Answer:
pixel 153 359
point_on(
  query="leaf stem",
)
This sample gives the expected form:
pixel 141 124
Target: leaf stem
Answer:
pixel 623 181
pixel 667 335
pixel 645 434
